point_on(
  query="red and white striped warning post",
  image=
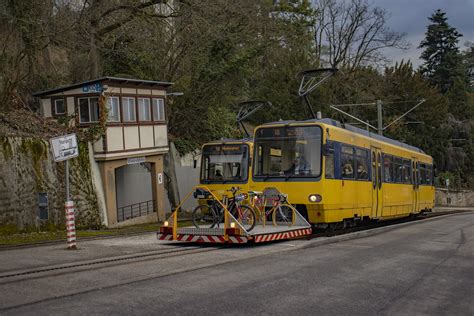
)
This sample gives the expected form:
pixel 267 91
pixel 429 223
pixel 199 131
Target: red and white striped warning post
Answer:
pixel 70 225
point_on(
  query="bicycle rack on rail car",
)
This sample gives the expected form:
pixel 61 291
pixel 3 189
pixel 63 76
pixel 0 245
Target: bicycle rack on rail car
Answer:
pixel 231 231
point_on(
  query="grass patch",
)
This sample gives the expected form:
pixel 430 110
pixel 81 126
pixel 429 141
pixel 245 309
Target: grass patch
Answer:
pixel 10 237
pixel 44 236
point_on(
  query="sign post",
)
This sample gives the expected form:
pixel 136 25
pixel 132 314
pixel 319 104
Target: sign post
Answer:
pixel 64 148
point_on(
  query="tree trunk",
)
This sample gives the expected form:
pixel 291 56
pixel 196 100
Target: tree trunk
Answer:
pixel 94 55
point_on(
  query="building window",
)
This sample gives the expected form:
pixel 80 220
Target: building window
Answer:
pixel 113 108
pixel 158 110
pixel 128 107
pixel 59 107
pixel 89 110
pixel 144 110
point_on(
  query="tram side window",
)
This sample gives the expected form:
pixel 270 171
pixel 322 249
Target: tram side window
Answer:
pixel 362 156
pixel 397 166
pixel 432 174
pixel 330 160
pixel 387 169
pixel 422 174
pixel 347 162
pixel 406 171
pixel 428 174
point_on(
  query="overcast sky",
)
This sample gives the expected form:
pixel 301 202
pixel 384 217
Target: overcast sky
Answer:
pixel 411 17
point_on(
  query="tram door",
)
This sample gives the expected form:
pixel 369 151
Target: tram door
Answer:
pixel 416 186
pixel 377 201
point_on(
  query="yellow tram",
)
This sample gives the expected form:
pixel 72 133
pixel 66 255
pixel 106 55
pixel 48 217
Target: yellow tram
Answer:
pixel 337 175
pixel 226 164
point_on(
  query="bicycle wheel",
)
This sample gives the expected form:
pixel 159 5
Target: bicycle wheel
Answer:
pixel 204 217
pixel 284 215
pixel 245 216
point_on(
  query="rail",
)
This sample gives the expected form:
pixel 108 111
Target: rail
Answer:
pixel 135 210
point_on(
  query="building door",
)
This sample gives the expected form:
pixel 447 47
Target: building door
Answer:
pixel 134 193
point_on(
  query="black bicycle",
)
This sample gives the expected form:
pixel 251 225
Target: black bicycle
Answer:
pixel 211 214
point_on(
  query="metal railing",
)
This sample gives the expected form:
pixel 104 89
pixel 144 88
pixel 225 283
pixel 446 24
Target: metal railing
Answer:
pixel 135 210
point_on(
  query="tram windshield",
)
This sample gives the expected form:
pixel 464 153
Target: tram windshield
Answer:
pixel 288 151
pixel 225 163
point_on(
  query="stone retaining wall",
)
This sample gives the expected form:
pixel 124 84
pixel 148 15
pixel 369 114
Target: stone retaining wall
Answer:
pixel 461 198
pixel 27 168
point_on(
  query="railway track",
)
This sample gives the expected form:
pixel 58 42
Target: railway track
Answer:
pixel 181 250
pixel 153 255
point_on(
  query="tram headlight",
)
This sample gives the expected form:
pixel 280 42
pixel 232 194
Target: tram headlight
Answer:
pixel 315 198
pixel 166 223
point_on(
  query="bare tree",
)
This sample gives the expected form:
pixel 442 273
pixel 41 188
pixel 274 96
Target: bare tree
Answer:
pixel 102 18
pixel 351 33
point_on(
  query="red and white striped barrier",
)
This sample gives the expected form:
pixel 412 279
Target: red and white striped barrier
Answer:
pixel 285 235
pixel 236 239
pixel 205 238
pixel 70 225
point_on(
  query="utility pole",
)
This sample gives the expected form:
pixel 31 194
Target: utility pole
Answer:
pixel 379 117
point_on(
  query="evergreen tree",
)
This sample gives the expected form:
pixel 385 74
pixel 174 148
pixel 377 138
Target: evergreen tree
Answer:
pixel 443 62
pixel 468 61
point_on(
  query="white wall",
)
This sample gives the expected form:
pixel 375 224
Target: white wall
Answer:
pixel 188 177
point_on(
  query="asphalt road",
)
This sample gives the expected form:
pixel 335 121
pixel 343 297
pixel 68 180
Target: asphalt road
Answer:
pixel 425 267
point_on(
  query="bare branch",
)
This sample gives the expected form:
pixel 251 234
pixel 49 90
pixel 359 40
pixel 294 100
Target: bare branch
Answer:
pixel 353 33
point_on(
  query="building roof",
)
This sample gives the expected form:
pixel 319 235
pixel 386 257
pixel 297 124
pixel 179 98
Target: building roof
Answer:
pixel 118 80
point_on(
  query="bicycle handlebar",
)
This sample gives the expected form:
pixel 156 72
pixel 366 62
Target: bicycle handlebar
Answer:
pixel 234 190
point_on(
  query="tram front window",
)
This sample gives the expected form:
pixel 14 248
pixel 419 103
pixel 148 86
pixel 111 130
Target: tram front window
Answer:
pixel 288 152
pixel 224 163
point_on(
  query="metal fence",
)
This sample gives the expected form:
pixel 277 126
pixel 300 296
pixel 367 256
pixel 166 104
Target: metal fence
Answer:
pixel 135 210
